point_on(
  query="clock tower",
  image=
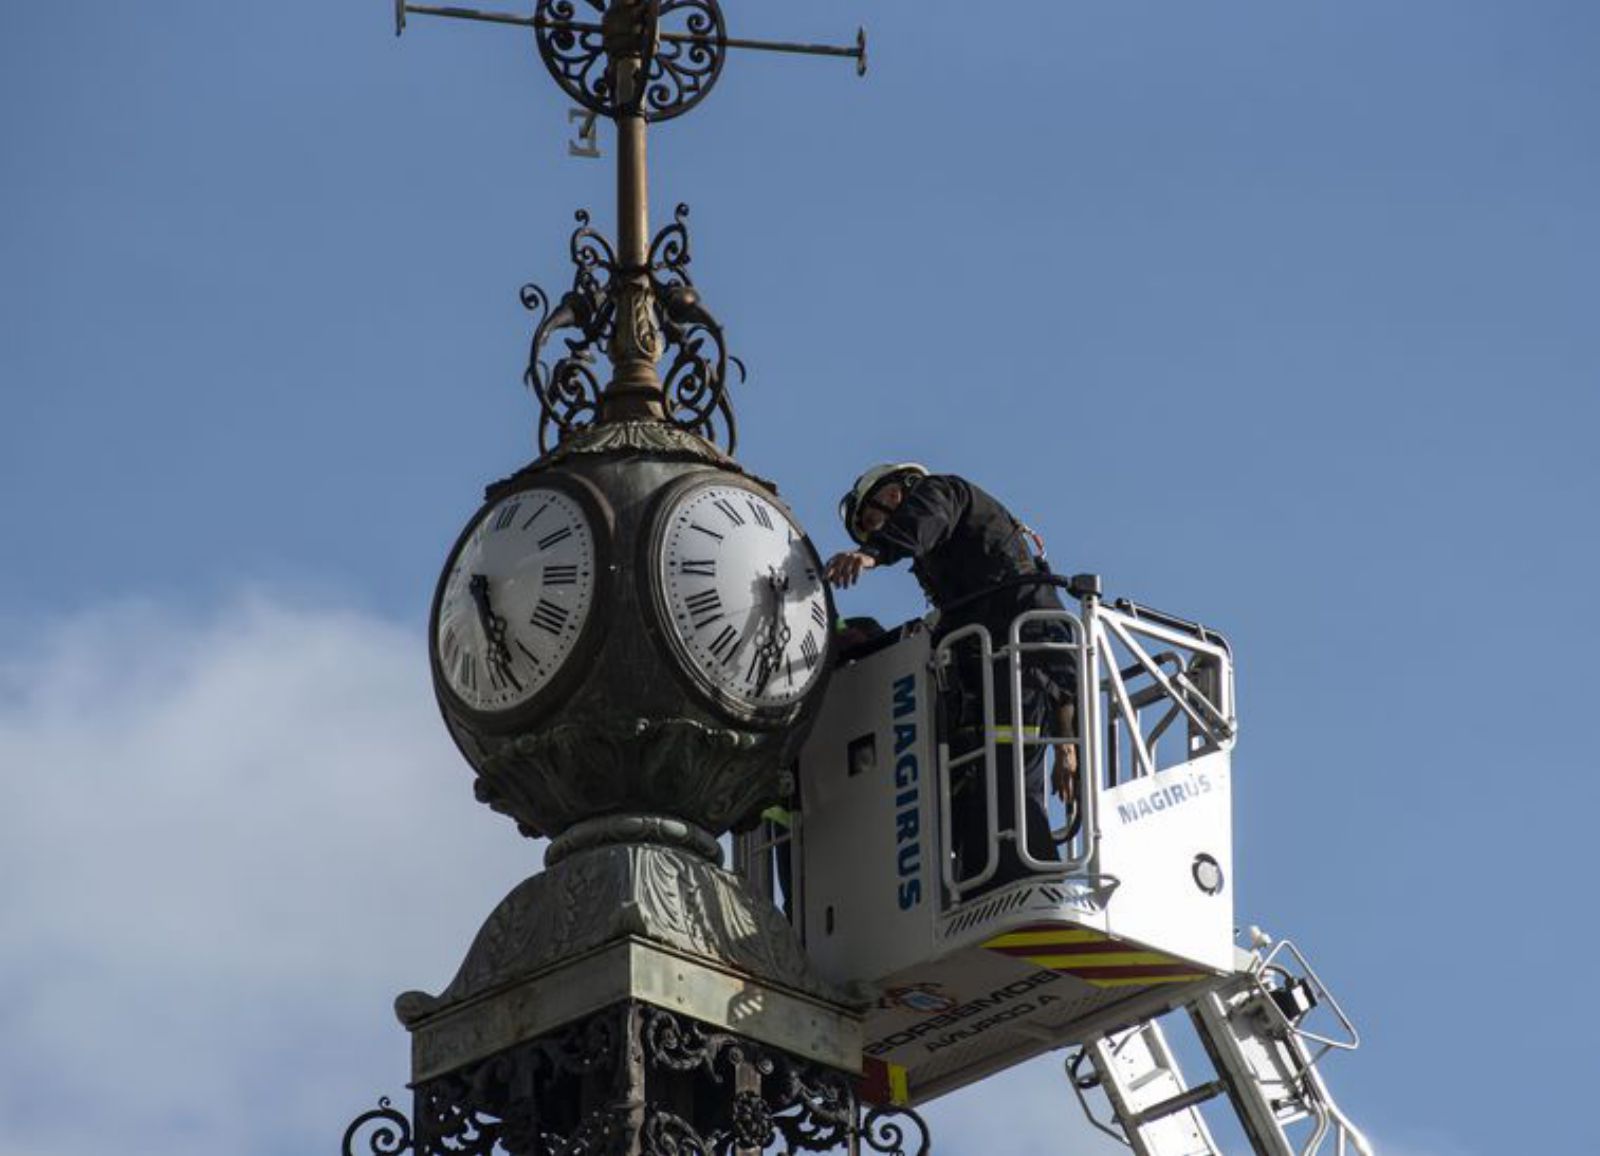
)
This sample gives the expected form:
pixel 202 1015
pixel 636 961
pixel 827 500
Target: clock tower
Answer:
pixel 628 641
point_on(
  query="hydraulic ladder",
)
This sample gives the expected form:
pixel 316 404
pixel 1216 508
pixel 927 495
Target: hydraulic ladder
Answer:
pixel 1253 1025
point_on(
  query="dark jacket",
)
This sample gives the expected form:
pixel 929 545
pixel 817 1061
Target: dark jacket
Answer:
pixel 961 541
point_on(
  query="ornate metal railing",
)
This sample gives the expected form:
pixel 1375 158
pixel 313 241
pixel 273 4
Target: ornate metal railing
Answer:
pixel 635 1078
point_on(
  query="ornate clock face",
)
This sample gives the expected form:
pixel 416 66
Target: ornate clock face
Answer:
pixel 514 599
pixel 743 595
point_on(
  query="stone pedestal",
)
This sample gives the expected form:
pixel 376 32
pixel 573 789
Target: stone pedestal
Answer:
pixel 633 998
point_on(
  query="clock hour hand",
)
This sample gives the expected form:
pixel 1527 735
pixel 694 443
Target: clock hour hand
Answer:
pixel 494 630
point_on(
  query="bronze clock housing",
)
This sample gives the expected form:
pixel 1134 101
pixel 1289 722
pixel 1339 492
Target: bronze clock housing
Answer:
pixel 634 722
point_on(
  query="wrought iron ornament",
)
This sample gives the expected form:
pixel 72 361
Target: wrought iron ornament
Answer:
pixel 634 1078
pixel 634 62
pixel 384 1131
pixel 681 44
pixel 694 382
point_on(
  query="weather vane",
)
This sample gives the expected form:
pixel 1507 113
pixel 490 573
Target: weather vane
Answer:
pixel 634 62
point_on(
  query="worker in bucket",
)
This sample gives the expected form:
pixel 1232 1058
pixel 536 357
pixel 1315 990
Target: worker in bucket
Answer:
pixel 973 559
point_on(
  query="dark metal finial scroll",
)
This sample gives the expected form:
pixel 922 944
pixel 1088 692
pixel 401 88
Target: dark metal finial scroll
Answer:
pixel 694 379
pixel 683 43
pixel 897 1131
pixel 384 1131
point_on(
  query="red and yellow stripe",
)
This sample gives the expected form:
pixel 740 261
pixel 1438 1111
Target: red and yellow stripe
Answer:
pixel 1093 957
pixel 884 1083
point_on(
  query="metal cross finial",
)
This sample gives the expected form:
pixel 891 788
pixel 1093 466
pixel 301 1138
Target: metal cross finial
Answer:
pixel 682 62
pixel 633 62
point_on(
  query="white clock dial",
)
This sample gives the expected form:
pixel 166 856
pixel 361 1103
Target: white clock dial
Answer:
pixel 744 595
pixel 514 601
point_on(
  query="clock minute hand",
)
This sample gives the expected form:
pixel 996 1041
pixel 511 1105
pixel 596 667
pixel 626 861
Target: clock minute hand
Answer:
pixel 494 629
pixel 773 636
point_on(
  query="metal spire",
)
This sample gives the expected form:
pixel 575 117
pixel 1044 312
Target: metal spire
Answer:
pixel 636 62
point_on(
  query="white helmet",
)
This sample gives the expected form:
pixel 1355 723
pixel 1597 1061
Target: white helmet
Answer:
pixel 881 475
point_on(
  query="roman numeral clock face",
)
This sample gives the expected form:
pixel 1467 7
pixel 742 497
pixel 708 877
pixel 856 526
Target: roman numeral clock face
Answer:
pixel 743 595
pixel 514 600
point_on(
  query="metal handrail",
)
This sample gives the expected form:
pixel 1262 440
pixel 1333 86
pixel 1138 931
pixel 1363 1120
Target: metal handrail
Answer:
pixel 1089 639
pixel 1211 719
pixel 1013 652
pixel 1219 729
pixel 1016 650
pixel 1328 1044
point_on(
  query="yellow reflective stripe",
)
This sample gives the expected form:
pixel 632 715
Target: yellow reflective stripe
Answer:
pixel 899 1085
pixel 1147 980
pixel 1003 734
pixel 1043 938
pixel 1098 959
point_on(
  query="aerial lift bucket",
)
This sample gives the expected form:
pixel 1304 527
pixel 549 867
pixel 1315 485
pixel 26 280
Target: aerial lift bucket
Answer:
pixel 1134 918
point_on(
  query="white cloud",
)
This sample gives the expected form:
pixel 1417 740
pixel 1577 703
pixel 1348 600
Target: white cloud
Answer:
pixel 226 844
pixel 227 840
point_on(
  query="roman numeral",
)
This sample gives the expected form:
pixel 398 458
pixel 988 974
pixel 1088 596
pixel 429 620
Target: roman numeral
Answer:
pixel 809 650
pixel 704 567
pixel 555 536
pixel 706 532
pixel 722 647
pixel 534 517
pixel 449 646
pixel 704 607
pixel 506 516
pixel 763 519
pixel 819 615
pixel 550 617
pixel 563 574
pixel 532 657
pixel 467 671
pixel 727 508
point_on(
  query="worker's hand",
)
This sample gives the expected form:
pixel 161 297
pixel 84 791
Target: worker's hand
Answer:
pixel 1065 776
pixel 844 568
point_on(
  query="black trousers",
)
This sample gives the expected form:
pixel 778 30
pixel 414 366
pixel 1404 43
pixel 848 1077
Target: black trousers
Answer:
pixel 969 818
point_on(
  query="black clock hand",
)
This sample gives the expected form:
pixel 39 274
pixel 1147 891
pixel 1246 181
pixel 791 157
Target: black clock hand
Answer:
pixel 773 637
pixel 494 630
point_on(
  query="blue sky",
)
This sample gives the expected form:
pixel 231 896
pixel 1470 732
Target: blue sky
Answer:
pixel 1280 316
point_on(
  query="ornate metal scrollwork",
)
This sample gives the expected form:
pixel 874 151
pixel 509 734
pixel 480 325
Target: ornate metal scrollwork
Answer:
pixel 522 1102
pixel 816 1107
pixel 681 46
pixel 626 1075
pixel 385 1131
pixel 576 57
pixel 684 67
pixel 695 376
pixel 802 1107
pixel 694 383
pixel 666 1134
pixel 884 1129
pixel 753 1125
